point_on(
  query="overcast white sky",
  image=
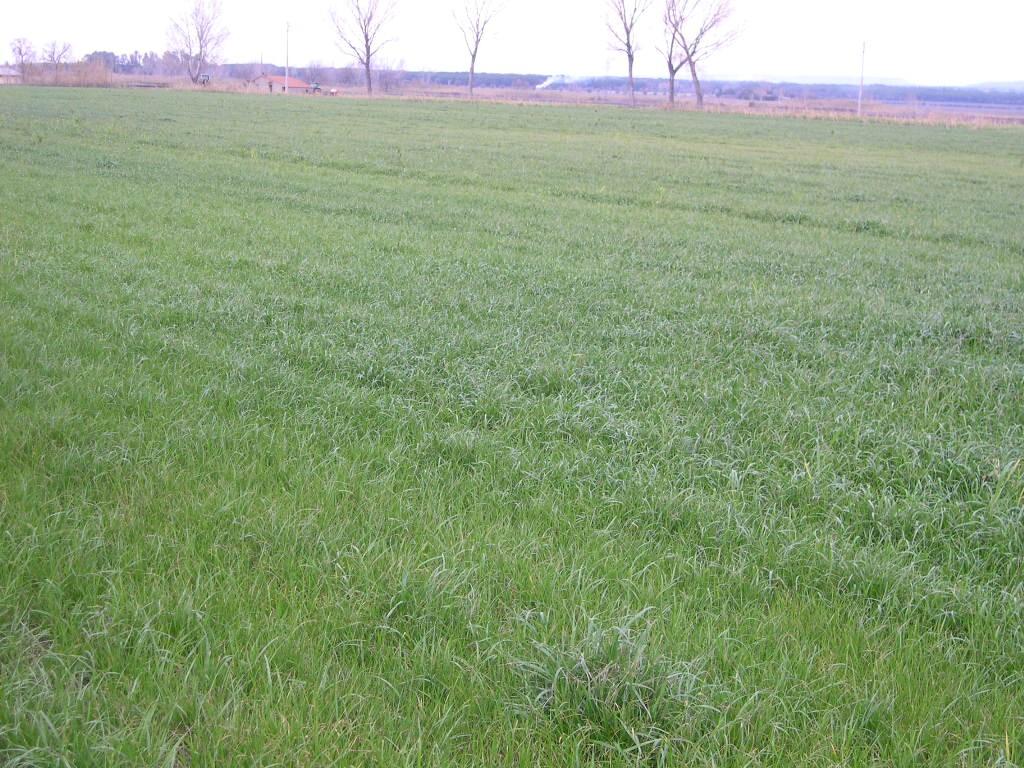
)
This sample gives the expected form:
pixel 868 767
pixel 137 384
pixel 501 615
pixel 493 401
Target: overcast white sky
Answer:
pixel 930 42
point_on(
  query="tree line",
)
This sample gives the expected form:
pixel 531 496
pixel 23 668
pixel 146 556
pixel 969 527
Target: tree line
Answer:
pixel 691 31
pixel 54 54
pixel 55 63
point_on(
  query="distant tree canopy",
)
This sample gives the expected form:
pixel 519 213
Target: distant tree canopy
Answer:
pixel 138 63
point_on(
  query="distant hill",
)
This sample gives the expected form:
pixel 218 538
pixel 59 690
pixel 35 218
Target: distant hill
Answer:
pixel 1017 87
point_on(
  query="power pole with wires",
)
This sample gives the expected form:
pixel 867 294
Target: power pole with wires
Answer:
pixel 287 32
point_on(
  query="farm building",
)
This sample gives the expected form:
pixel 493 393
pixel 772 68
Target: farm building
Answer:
pixel 276 84
pixel 9 76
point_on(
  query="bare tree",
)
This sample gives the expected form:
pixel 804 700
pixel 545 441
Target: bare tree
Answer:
pixel 56 54
pixel 700 32
pixel 360 32
pixel 198 36
pixel 24 55
pixel 389 75
pixel 622 26
pixel 675 59
pixel 476 17
pixel 315 71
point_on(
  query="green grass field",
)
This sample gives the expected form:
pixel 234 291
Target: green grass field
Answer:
pixel 395 433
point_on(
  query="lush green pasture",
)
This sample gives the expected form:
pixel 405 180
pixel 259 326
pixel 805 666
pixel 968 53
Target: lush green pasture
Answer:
pixel 390 433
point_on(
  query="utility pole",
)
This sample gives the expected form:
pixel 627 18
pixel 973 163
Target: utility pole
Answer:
pixel 860 93
pixel 287 32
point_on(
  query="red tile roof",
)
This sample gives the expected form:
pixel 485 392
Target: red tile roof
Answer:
pixel 293 82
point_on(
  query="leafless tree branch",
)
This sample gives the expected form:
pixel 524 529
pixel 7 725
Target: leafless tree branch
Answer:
pixel 476 16
pixel 24 55
pixel 625 15
pixel 360 30
pixel 56 54
pixel 700 30
pixel 198 36
pixel 675 57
